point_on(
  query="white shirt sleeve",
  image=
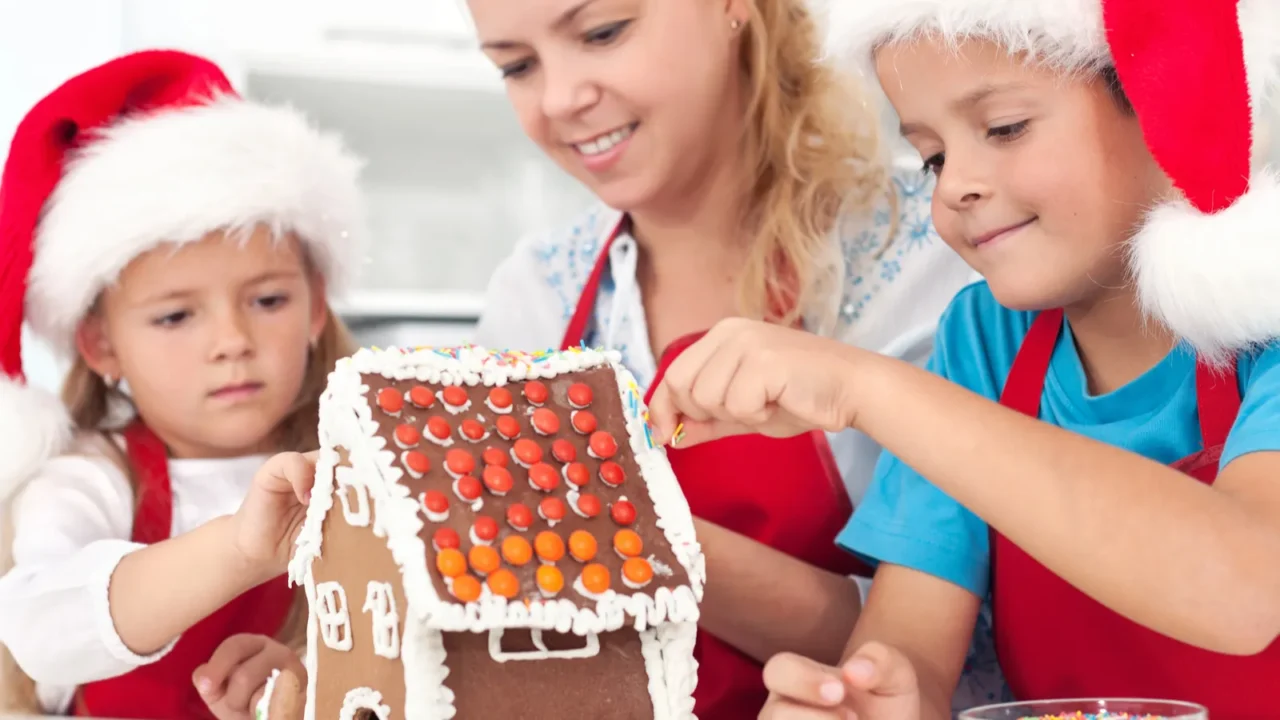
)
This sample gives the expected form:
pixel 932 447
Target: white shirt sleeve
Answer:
pixel 522 311
pixel 72 525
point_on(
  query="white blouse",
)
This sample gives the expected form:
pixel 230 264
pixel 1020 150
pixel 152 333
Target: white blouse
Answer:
pixel 72 524
pixel 893 292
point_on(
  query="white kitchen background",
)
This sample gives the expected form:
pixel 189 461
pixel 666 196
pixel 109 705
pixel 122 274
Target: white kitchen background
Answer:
pixel 451 180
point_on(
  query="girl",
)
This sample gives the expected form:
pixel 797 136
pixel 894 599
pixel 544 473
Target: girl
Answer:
pixel 738 176
pixel 179 241
pixel 1093 164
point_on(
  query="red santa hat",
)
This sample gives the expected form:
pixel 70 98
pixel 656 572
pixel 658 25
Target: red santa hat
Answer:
pixel 1198 73
pixel 148 149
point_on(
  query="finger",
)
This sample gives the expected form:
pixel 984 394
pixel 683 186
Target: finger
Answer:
pixel 290 473
pixel 880 670
pixel 682 375
pixel 663 416
pixel 747 401
pixel 248 679
pixel 804 681
pixel 693 432
pixel 779 708
pixel 210 678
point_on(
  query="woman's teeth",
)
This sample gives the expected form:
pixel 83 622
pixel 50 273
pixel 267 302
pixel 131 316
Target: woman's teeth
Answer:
pixel 604 143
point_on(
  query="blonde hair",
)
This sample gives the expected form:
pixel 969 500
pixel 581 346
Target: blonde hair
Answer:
pixel 89 401
pixel 814 154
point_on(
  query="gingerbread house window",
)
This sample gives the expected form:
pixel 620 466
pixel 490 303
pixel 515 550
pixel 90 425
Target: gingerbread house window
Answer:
pixel 380 600
pixel 331 612
pixel 364 704
pixel 353 494
pixel 500 652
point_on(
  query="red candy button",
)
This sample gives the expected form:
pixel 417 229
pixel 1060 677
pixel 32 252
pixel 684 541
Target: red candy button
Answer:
pixel 407 435
pixel 421 396
pixel 417 463
pixel 446 538
pixel 435 502
pixel 459 462
pixel 577 473
pixel 519 516
pixel 498 480
pixel 583 422
pixel 579 395
pixel 439 428
pixel 544 477
pixel 508 427
pixel 589 505
pixel 454 396
pixel 612 474
pixel 603 445
pixel 390 400
pixel 500 398
pixel 551 509
pixel 494 456
pixel 535 392
pixel 472 430
pixel 545 422
pixel 468 488
pixel 623 512
pixel 527 451
pixel 485 528
pixel 563 451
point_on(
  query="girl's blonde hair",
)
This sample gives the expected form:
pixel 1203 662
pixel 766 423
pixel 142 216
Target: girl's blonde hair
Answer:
pixel 812 140
pixel 89 401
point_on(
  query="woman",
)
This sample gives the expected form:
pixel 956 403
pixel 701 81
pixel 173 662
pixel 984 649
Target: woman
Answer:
pixel 745 181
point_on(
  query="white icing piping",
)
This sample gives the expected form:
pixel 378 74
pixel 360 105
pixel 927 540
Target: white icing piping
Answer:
pixel 363 698
pixel 540 651
pixel 261 710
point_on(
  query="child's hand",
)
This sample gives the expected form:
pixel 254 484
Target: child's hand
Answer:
pixel 753 377
pixel 877 683
pixel 272 513
pixel 233 680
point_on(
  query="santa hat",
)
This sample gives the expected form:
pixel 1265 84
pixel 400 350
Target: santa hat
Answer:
pixel 151 148
pixel 1198 73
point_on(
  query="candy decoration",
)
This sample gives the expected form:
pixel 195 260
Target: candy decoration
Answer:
pixel 508 427
pixel 588 505
pixel 545 422
pixel 611 474
pixel 579 395
pixel 446 538
pixel 627 543
pixel 535 392
pixel 467 488
pixel 494 456
pixel 438 428
pixel 407 436
pixel 459 462
pixel 415 463
pixel 636 573
pixel 451 563
pixel 500 400
pixel 552 510
pixel 577 474
pixel 503 582
pixel 516 550
pixel 472 430
pixel 484 559
pixel 435 505
pixel 519 516
pixel 549 546
pixel 563 451
pixel 484 530
pixel 465 588
pixel 550 580
pixel 582 545
pixel 391 401
pixel 421 397
pixel 583 421
pixel 498 480
pixel 543 477
pixel 455 399
pixel 602 446
pixel 595 578
pixel 623 512
pixel 526 452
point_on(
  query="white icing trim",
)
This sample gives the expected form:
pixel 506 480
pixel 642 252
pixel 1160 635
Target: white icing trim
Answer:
pixel 540 651
pixel 380 599
pixel 358 517
pixel 363 698
pixel 335 619
pixel 313 636
pixel 426 697
pixel 261 710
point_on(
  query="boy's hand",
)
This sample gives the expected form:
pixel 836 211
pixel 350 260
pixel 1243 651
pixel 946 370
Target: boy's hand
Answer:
pixel 272 513
pixel 746 376
pixel 877 683
pixel 233 680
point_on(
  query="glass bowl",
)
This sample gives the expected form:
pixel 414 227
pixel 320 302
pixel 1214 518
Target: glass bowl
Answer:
pixel 1089 709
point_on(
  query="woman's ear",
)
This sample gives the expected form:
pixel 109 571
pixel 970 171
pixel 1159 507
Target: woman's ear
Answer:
pixel 95 348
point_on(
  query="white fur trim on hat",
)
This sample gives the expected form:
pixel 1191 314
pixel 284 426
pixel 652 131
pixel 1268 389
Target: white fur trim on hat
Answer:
pixel 35 427
pixel 1214 279
pixel 174 176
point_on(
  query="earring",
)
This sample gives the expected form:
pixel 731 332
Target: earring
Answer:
pixel 109 380
pixel 735 24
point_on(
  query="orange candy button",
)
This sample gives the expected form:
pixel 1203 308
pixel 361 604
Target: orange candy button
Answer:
pixel 603 445
pixel 454 396
pixel 550 580
pixel 545 421
pixel 407 435
pixel 579 395
pixel 484 559
pixel 638 571
pixel 439 428
pixel 516 550
pixel 578 474
pixel 466 588
pixel 500 398
pixel 583 421
pixel 535 392
pixel 508 427
pixel 494 456
pixel 472 430
pixel 498 480
pixel 563 451
pixel 544 477
pixel 459 462
pixel 627 543
pixel 451 563
pixel 582 545
pixel 503 582
pixel 595 578
pixel 527 451
pixel 421 396
pixel 390 400
pixel 549 546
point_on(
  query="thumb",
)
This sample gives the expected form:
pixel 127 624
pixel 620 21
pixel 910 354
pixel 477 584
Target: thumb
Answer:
pixel 880 670
pixel 696 432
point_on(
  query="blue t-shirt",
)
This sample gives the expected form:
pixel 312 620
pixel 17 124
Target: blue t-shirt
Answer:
pixel 907 521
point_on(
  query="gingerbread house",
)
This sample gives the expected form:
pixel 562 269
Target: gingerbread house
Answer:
pixel 494 535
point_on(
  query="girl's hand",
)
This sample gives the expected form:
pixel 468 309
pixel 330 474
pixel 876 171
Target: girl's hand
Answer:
pixel 233 680
pixel 272 513
pixel 877 683
pixel 746 376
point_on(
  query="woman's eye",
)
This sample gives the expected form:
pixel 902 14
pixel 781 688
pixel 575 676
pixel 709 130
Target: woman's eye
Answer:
pixel 272 302
pixel 1007 132
pixel 172 319
pixel 516 69
pixel 933 163
pixel 606 34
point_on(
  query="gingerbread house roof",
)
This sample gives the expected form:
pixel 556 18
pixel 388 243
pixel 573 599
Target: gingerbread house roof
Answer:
pixel 513 489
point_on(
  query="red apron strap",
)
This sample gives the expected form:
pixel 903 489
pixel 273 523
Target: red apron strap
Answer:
pixel 1025 384
pixel 1218 401
pixel 149 460
pixel 577 329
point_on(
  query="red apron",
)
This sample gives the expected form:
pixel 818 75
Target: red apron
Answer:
pixel 164 689
pixel 785 493
pixel 1054 641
